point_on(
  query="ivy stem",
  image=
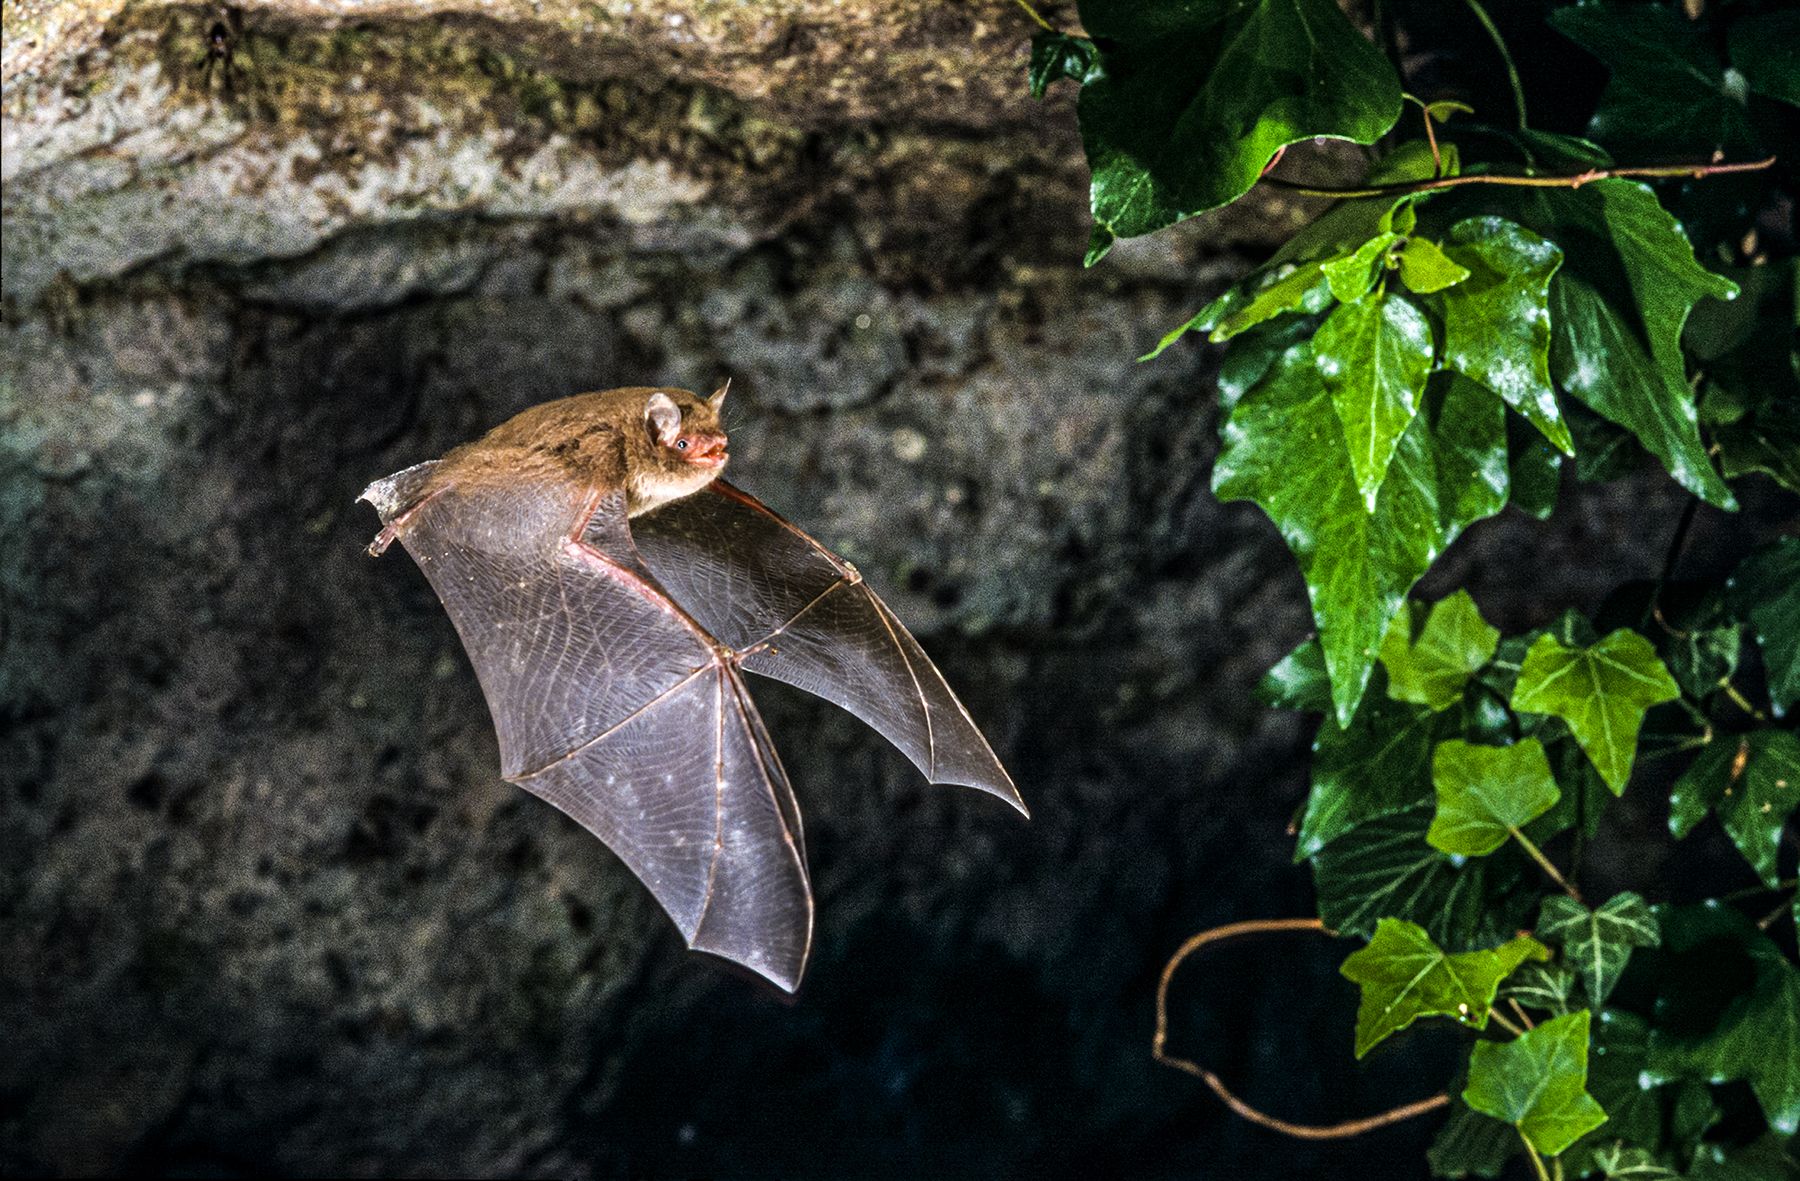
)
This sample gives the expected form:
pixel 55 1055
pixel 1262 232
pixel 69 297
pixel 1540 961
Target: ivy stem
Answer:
pixel 1043 24
pixel 1503 1022
pixel 1520 1010
pixel 1537 855
pixel 1159 1043
pixel 1512 71
pixel 1671 559
pixel 1573 181
pixel 1737 699
pixel 1753 891
pixel 1537 1162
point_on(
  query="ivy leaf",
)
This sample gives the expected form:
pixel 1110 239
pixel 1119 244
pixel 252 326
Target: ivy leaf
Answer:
pixel 1701 644
pixel 1536 469
pixel 1619 1161
pixel 1639 1109
pixel 1487 793
pixel 1763 1159
pixel 1193 101
pixel 1497 322
pixel 1765 48
pixel 1055 56
pixel 1471 1144
pixel 1548 988
pixel 1713 1024
pixel 1668 91
pixel 1284 449
pixel 1601 691
pixel 1377 765
pixel 1384 869
pixel 1750 365
pixel 1753 784
pixel 1433 669
pixel 1405 976
pixel 1374 355
pixel 1298 680
pixel 1598 942
pixel 1765 591
pixel 1538 1083
pixel 1426 269
pixel 1353 276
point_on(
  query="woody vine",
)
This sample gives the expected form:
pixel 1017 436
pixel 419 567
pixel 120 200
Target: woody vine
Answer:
pixel 1495 309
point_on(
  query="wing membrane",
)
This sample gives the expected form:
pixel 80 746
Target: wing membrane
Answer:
pixel 798 613
pixel 612 706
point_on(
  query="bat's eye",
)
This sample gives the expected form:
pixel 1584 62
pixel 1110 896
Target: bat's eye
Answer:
pixel 681 444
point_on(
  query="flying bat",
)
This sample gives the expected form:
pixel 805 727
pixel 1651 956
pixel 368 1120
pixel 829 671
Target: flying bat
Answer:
pixel 610 590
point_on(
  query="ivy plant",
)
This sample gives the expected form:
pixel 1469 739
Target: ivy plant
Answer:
pixel 1513 295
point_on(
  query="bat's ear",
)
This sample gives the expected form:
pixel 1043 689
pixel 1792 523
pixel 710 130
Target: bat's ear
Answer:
pixel 663 417
pixel 718 398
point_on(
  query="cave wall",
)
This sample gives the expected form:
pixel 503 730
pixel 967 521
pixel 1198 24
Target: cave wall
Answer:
pixel 264 903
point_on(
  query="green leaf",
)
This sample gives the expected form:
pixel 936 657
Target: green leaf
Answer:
pixel 1668 92
pixel 1765 48
pixel 1194 100
pixel 1377 765
pixel 1433 669
pixel 1639 1109
pixel 1601 691
pixel 1353 276
pixel 1700 644
pixel 1763 1159
pixel 1598 942
pixel 1384 869
pixel 1405 976
pixel 1536 469
pixel 1765 591
pixel 1754 1035
pixel 1629 366
pixel 1471 1145
pixel 1374 355
pixel 1548 988
pixel 1753 784
pixel 1619 1161
pixel 1298 680
pixel 1426 269
pixel 1284 449
pixel 1497 323
pixel 1486 793
pixel 1055 56
pixel 1537 1083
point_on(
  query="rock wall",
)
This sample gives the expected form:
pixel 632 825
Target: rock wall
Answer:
pixel 264 903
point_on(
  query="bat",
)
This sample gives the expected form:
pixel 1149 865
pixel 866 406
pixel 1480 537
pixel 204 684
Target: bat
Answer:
pixel 610 591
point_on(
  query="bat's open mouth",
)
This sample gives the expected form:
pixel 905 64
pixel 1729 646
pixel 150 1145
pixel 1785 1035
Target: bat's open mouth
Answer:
pixel 708 454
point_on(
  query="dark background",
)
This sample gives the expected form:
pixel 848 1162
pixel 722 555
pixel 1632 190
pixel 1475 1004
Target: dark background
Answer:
pixel 265 905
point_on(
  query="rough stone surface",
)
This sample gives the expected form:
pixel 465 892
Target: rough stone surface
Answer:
pixel 264 904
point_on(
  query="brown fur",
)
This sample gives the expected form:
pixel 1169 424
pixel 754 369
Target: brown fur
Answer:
pixel 595 442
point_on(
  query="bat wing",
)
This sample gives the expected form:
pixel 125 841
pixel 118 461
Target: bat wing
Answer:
pixel 795 611
pixel 613 705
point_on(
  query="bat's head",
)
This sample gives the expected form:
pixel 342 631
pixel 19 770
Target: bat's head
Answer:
pixel 685 446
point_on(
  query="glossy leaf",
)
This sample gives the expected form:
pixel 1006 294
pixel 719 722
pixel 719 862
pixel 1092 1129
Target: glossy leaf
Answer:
pixel 1056 56
pixel 1628 365
pixel 1485 793
pixel 1668 91
pixel 1548 988
pixel 1497 322
pixel 1284 449
pixel 1373 355
pixel 1753 783
pixel 1426 269
pixel 1404 976
pixel 1471 1144
pixel 1384 869
pixel 1194 100
pixel 1717 1026
pixel 1377 765
pixel 1298 680
pixel 1538 1083
pixel 1765 591
pixel 1432 669
pixel 1601 691
pixel 1619 1161
pixel 1597 943
pixel 1765 48
pixel 1763 1159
